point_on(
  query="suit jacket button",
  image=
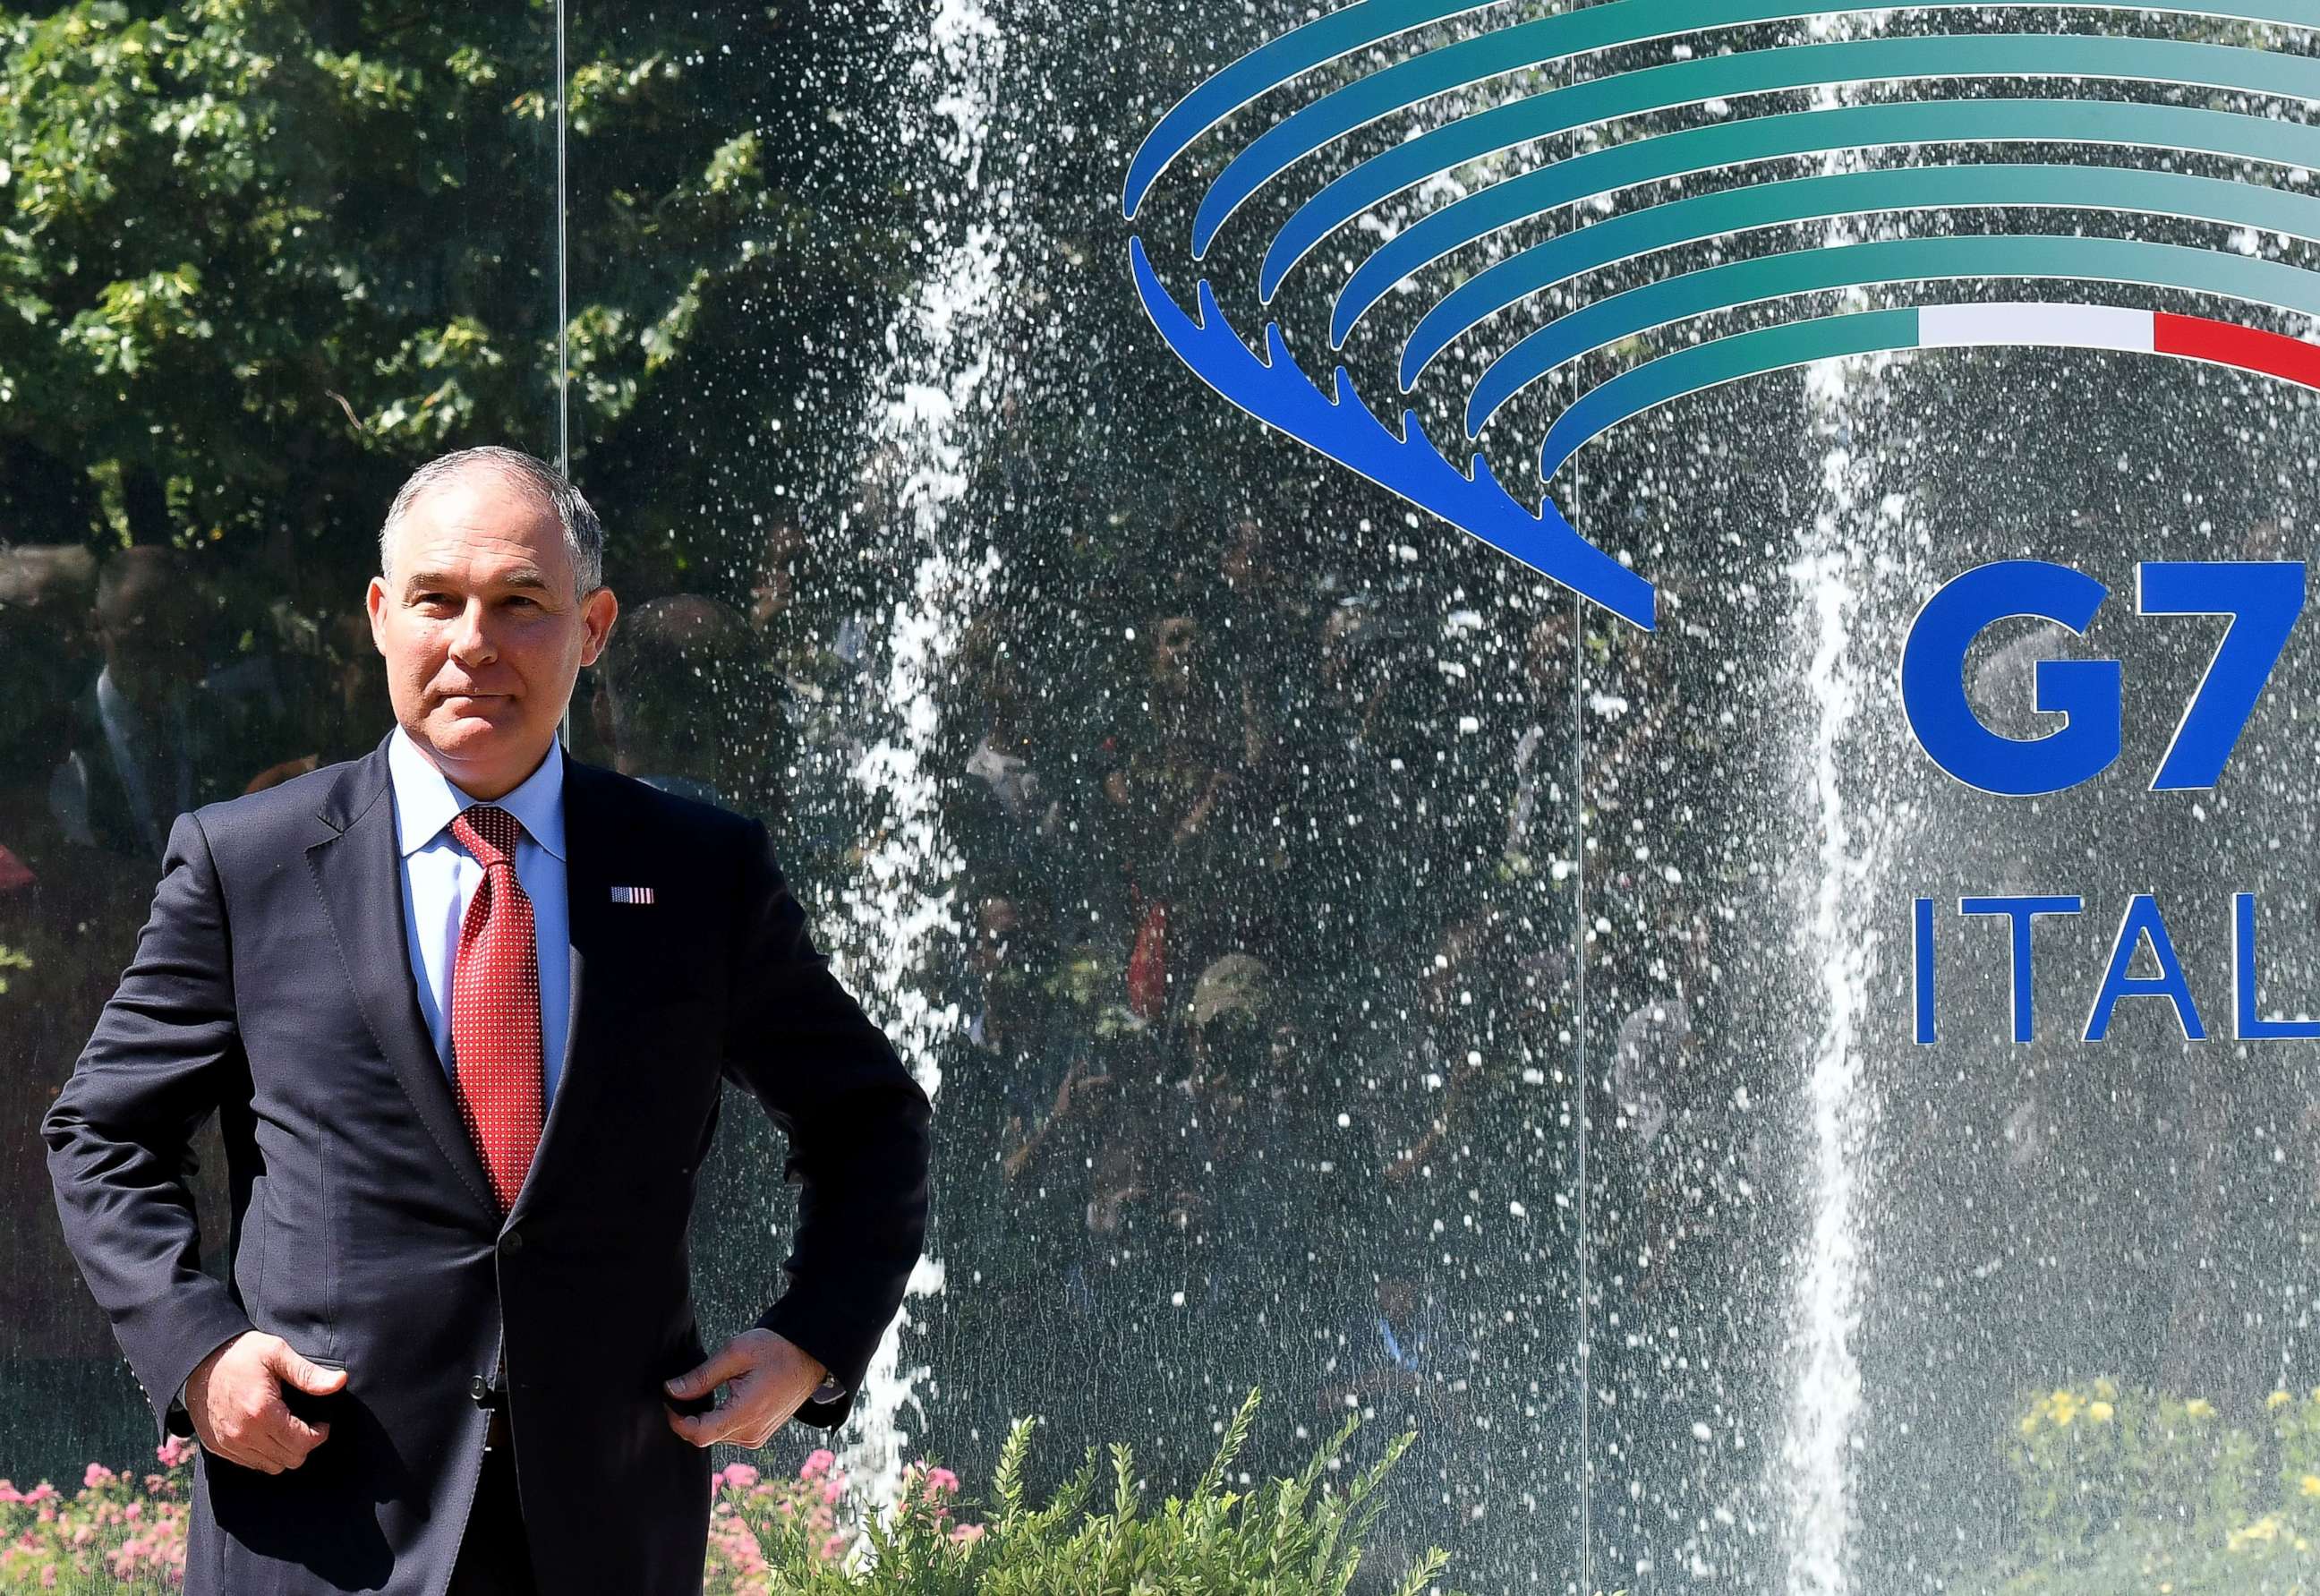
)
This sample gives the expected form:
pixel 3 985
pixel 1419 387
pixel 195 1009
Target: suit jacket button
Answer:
pixel 513 1242
pixel 480 1389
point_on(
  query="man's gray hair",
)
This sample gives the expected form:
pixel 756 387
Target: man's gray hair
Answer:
pixel 584 534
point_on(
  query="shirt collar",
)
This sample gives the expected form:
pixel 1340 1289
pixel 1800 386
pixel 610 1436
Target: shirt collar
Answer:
pixel 425 800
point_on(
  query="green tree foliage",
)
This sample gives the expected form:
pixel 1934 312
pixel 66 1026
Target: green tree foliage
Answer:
pixel 257 258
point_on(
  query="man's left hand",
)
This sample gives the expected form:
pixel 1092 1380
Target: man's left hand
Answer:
pixel 771 1376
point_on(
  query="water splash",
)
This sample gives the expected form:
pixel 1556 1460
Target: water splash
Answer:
pixel 1825 1398
pixel 926 428
pixel 1825 1374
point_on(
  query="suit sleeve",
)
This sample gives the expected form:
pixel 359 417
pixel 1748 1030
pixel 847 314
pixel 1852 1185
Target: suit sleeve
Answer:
pixel 858 1130
pixel 160 1061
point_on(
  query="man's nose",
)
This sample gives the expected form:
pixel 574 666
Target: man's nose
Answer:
pixel 471 638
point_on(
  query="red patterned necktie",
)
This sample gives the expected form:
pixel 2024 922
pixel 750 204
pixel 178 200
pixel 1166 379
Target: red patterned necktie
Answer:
pixel 495 1043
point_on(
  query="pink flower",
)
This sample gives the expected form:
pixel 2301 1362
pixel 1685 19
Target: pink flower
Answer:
pixel 739 1475
pixel 833 1548
pixel 8 1492
pixel 942 1479
pixel 40 1492
pixel 817 1464
pixel 833 1488
pixel 174 1451
pixel 97 1475
pixel 967 1533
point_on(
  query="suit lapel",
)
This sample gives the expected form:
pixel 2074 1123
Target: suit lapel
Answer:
pixel 592 828
pixel 359 874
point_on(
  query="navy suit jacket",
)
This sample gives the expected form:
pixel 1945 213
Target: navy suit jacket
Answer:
pixel 272 986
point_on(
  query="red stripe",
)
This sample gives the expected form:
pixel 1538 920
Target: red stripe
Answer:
pixel 2248 347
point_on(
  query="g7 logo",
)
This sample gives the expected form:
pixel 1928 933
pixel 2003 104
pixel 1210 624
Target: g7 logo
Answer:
pixel 2264 599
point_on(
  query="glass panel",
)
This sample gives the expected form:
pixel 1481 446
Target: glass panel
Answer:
pixel 1196 823
pixel 260 259
pixel 1888 1315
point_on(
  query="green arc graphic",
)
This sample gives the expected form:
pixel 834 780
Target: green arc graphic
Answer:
pixel 1462 64
pixel 1730 86
pixel 1804 65
pixel 1885 260
pixel 2170 194
pixel 1440 233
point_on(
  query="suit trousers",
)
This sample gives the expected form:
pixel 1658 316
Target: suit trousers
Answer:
pixel 494 1559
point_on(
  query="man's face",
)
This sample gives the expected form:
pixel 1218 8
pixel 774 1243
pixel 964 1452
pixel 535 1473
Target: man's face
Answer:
pixel 776 585
pixel 480 629
pixel 1548 656
pixel 998 918
pixel 150 628
pixel 1172 646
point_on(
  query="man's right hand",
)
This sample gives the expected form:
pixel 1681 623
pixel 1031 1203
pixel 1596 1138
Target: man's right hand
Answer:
pixel 234 1399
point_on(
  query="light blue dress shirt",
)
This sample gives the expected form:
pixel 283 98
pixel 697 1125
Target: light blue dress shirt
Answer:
pixel 439 878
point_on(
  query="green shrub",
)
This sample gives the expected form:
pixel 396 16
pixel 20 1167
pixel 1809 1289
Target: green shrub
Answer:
pixel 1286 1537
pixel 806 1536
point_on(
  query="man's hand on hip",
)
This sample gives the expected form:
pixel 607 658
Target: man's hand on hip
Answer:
pixel 234 1397
pixel 771 1375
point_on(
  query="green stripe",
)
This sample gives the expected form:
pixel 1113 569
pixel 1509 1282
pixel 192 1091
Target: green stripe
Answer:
pixel 1802 132
pixel 1725 359
pixel 1339 34
pixel 1891 260
pixel 1804 65
pixel 2125 190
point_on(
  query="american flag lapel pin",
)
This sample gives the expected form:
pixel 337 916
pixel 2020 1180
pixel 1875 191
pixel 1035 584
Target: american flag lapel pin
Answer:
pixel 632 894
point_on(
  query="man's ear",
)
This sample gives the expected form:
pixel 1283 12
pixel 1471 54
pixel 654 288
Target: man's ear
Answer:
pixel 597 613
pixel 374 607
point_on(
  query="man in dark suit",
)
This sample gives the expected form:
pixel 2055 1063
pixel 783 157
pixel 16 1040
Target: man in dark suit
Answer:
pixel 463 1007
pixel 151 735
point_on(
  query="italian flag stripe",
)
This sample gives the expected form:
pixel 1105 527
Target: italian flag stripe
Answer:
pixel 2274 354
pixel 2113 327
pixel 2058 326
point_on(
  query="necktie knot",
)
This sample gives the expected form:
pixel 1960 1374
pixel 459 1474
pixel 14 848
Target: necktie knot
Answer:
pixel 488 833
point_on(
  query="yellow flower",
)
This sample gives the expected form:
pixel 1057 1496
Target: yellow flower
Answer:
pixel 2106 1390
pixel 2278 1398
pixel 2309 1485
pixel 2264 1528
pixel 2029 1424
pixel 2099 1412
pixel 2198 1408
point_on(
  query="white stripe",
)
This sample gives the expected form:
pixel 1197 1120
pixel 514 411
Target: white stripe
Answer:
pixel 2057 326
